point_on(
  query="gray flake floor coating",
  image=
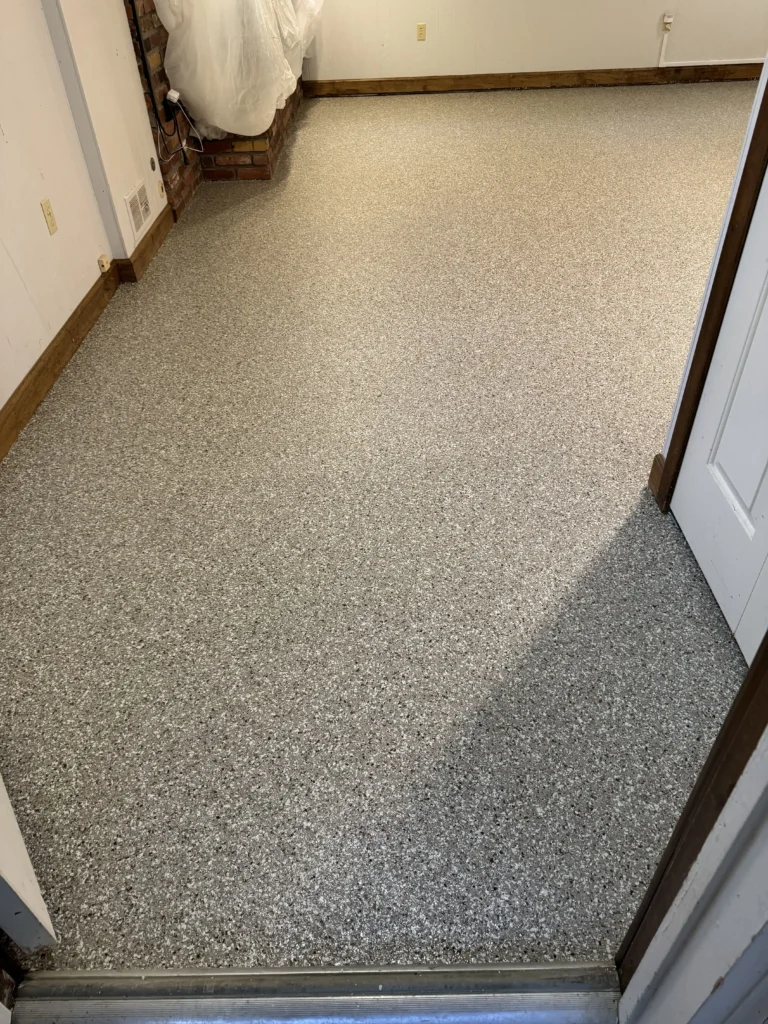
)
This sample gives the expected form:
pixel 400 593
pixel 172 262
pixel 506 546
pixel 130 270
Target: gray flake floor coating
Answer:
pixel 337 625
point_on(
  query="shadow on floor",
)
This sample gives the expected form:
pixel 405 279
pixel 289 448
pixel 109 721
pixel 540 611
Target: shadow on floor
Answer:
pixel 532 832
pixel 312 650
pixel 242 192
pixel 514 812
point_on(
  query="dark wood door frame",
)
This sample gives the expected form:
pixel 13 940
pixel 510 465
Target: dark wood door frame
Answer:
pixel 748 716
pixel 746 722
pixel 666 468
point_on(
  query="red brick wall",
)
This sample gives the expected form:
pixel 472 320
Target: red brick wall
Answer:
pixel 247 157
pixel 182 176
pixel 233 158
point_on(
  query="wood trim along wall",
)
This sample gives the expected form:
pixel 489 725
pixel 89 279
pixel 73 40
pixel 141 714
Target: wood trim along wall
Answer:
pixel 666 468
pixel 24 401
pixel 534 80
pixel 746 722
pixel 132 269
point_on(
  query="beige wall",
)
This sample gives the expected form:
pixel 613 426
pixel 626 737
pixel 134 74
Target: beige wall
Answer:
pixel 93 42
pixel 377 38
pixel 74 129
pixel 43 277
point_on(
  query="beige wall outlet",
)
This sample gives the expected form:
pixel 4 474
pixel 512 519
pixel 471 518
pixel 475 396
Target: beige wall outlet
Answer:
pixel 104 263
pixel 50 220
pixel 421 32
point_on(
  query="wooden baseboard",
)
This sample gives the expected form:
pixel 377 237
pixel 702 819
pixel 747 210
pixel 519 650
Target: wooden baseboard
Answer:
pixel 534 80
pixel 23 403
pixel 132 269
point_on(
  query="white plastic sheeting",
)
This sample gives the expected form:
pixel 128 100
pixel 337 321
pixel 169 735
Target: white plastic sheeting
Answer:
pixel 235 62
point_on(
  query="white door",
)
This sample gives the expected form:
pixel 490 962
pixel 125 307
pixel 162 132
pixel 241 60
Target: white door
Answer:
pixel 23 914
pixel 721 497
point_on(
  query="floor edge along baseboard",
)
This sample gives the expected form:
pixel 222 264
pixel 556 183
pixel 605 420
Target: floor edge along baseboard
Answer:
pixel 25 400
pixel 689 74
pixel 132 269
pixel 505 992
pixel 30 393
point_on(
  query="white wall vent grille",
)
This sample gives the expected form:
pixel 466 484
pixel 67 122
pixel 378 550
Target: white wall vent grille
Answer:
pixel 139 208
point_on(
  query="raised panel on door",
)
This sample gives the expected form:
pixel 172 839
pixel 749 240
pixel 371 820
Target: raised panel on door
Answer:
pixel 721 498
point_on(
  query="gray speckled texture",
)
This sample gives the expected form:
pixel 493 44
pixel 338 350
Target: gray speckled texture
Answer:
pixel 336 623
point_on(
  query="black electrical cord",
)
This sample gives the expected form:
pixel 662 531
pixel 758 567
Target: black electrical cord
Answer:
pixel 169 153
pixel 183 145
pixel 147 75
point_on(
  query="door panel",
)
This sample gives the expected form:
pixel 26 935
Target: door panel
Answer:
pixel 721 498
pixel 742 465
pixel 752 628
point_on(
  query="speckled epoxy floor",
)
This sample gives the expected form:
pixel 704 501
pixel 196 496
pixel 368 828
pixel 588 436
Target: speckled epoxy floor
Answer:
pixel 337 625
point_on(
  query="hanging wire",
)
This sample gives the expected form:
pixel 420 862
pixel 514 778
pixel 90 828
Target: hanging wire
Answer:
pixel 148 73
pixel 159 121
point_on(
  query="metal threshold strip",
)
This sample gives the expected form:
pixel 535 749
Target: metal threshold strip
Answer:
pixel 498 994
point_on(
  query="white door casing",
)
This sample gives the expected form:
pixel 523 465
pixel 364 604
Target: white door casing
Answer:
pixel 708 961
pixel 721 497
pixel 23 913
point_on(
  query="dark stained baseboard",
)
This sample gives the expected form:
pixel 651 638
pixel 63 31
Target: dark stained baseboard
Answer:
pixel 23 403
pixel 132 269
pixel 534 80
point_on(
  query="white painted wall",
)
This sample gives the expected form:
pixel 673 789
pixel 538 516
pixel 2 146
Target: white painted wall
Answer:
pixel 98 64
pixel 718 30
pixel 377 38
pixel 42 277
pixel 73 129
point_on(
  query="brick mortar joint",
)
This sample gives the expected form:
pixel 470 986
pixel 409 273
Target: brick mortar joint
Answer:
pixel 264 160
pixel 181 179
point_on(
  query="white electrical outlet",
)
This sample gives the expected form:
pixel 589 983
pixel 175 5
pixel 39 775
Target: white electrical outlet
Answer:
pixel 50 220
pixel 104 263
pixel 421 32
